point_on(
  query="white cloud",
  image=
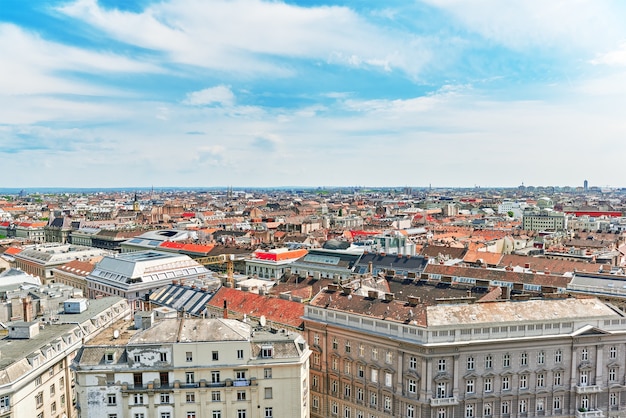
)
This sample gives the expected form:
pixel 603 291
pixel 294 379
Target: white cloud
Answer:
pixel 219 35
pixel 221 95
pixel 616 57
pixel 586 24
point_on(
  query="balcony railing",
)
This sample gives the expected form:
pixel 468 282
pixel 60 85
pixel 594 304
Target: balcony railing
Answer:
pixel 5 409
pixel 588 389
pixel 590 414
pixel 452 400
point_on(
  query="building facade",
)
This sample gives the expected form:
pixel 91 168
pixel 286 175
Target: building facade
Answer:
pixel 182 367
pixel 561 357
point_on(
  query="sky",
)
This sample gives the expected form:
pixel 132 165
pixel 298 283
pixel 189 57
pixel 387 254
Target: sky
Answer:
pixel 255 93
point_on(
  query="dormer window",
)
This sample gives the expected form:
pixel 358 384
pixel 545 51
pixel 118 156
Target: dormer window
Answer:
pixel 267 351
pixel 109 357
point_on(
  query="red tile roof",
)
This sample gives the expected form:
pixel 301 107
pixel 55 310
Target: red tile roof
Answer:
pixel 276 310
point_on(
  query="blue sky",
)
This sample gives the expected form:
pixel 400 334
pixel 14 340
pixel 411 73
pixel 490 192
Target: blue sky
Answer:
pixel 116 93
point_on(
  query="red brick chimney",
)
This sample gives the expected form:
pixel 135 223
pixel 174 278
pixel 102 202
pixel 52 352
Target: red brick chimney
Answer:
pixel 225 309
pixel 27 309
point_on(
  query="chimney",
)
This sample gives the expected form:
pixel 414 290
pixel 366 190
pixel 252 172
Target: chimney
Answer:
pixel 27 309
pixel 527 266
pixel 225 309
pixel 370 268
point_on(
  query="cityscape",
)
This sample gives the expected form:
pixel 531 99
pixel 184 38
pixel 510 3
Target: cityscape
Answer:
pixel 312 209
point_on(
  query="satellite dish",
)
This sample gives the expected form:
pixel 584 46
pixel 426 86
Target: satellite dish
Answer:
pixel 262 321
pixel 116 334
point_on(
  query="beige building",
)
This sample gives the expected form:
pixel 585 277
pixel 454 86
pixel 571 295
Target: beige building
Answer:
pixel 35 375
pixel 382 358
pixel 193 368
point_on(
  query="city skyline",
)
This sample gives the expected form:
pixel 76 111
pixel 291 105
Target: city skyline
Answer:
pixel 251 93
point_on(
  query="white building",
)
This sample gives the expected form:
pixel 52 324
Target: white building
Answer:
pixel 182 367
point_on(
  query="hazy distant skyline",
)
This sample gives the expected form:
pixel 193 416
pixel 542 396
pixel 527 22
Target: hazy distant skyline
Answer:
pixel 211 93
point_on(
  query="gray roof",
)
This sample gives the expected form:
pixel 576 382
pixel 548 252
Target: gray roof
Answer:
pixel 193 330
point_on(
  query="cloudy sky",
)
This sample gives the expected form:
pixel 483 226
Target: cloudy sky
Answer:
pixel 208 93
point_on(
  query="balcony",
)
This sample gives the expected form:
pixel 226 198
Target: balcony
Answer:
pixel 588 389
pixel 5 410
pixel 452 400
pixel 590 414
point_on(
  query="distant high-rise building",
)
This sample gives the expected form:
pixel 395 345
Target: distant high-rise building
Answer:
pixel 586 185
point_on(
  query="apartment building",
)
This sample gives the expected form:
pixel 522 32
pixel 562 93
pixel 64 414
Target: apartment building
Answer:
pixel 184 367
pixel 544 220
pixel 35 375
pixel 382 358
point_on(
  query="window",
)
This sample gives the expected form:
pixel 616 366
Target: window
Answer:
pixel 373 398
pixel 469 386
pixel 267 351
pixel 612 374
pixel 315 381
pixel 441 413
pixel 557 379
pixel 441 365
pixel 506 360
pixel 137 379
pixel 613 399
pixel 216 414
pixel 359 394
pixel 347 347
pixel 52 390
pixel 215 356
pixel 166 415
pixel 111 399
pixel 137 358
pixel 333 386
pixel 374 376
pixel 268 393
pixel 39 399
pixel 506 383
pixel 334 408
pixel 361 350
pixel 190 414
pixel 163 356
pixel 316 339
pixel 315 402
pixel 505 407
pixel 334 363
pixel 361 370
pixel 216 396
pixel 584 377
pixel 241 394
pixel 541 381
pixel 523 381
pixel 412 386
pixel 239 354
pixel 165 398
pixel 488 362
pixel 470 363
pixel 584 354
pixel 469 410
pixel 347 390
pixel 539 405
pixel 240 374
pixel 190 377
pixel 374 353
pixel 189 356
pixel 335 343
pixel 62 382
pixel 612 352
pixel 387 403
pixel 267 373
pixel 269 412
pixel 441 390
pixel 412 362
pixel 488 384
pixel 347 367
pixel 138 399
pixel 556 403
pixel 388 379
pixel 410 411
pixel 541 357
pixel 140 415
pixel 215 377
pixel 487 410
pixel 109 357
pixel 558 356
pixel 38 381
pixel 584 401
pixel 522 406
pixel 62 399
pixel 347 412
pixel 190 397
pixel 523 360
pixel 388 357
